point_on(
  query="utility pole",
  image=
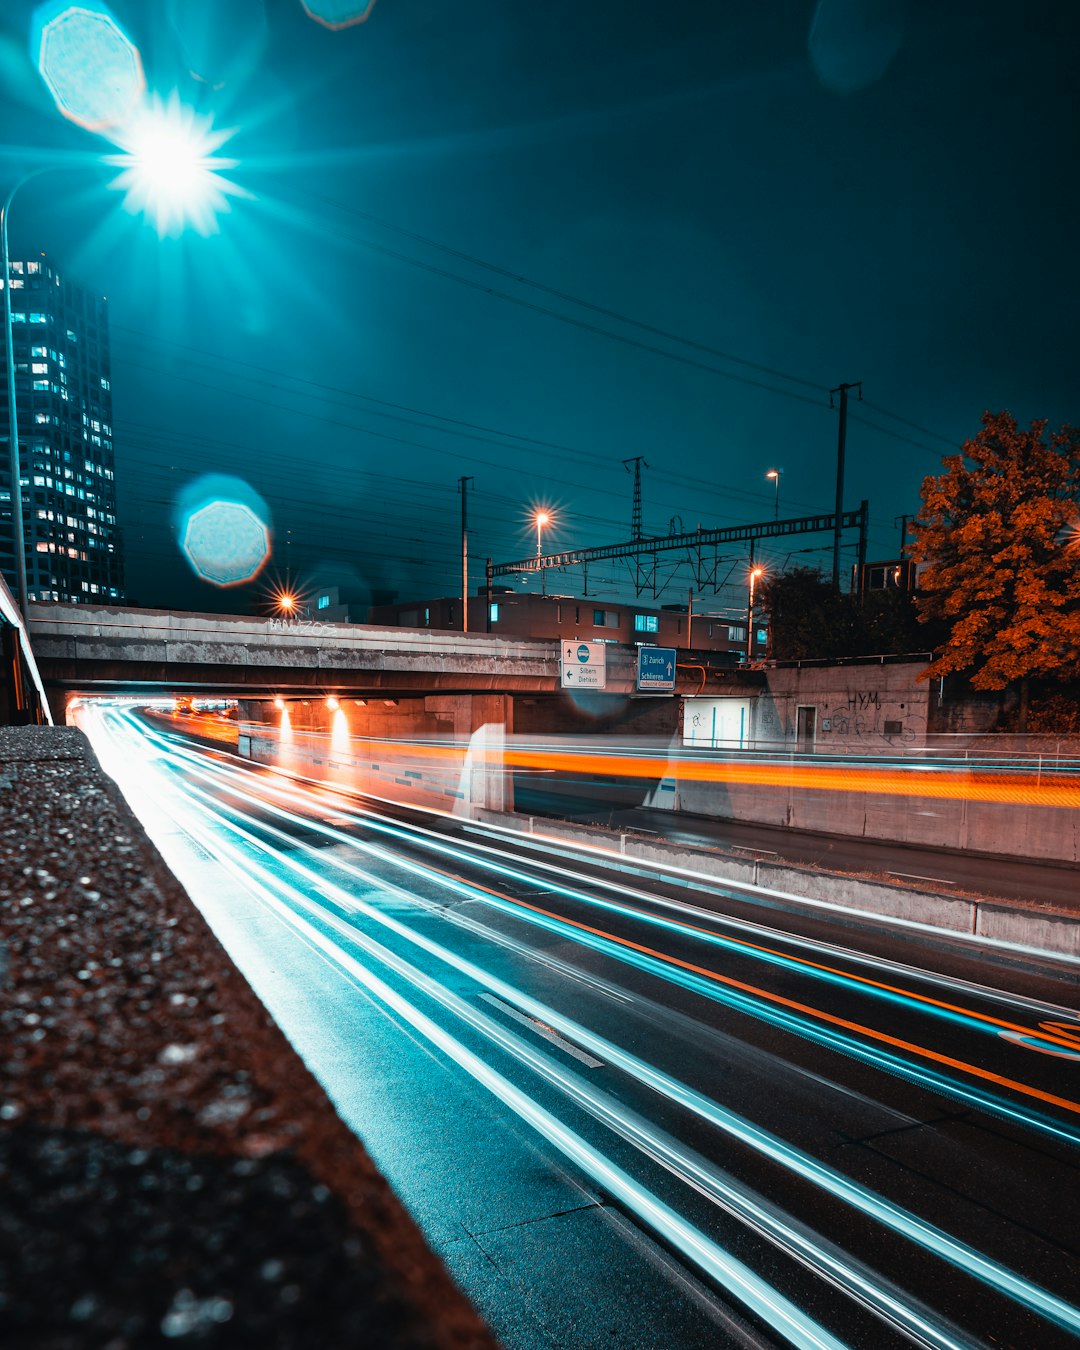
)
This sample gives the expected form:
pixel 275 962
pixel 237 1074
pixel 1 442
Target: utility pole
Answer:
pixel 463 488
pixel 842 390
pixel 635 518
pixel 903 532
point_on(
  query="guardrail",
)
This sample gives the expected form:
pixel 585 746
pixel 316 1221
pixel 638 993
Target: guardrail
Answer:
pixel 22 694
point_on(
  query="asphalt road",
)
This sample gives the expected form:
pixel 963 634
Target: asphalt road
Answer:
pixel 637 1115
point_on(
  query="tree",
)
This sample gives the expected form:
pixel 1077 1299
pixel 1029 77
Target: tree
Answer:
pixel 998 534
pixel 809 619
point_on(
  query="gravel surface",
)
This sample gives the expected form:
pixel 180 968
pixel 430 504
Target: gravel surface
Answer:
pixel 169 1170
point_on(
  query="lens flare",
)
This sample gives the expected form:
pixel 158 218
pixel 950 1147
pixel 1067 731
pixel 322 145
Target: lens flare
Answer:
pixel 170 169
pixel 224 529
pixel 92 69
pixel 338 14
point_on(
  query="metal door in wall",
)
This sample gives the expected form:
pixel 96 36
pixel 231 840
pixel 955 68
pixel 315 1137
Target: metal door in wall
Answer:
pixel 805 729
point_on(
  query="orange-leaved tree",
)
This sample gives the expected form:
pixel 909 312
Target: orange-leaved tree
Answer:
pixel 999 536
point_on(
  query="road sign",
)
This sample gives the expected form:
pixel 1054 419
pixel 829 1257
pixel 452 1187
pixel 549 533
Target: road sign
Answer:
pixel 656 669
pixel 584 665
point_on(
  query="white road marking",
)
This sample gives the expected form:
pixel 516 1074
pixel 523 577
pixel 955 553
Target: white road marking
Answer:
pixel 541 1030
pixel 914 876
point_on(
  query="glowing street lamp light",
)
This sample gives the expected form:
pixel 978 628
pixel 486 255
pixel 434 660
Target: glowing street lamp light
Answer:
pixel 171 171
pixel 541 518
pixel 756 573
pixel 774 474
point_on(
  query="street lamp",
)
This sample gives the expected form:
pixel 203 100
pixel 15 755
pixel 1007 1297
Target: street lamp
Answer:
pixel 774 474
pixel 541 518
pixel 170 173
pixel 18 533
pixel 756 573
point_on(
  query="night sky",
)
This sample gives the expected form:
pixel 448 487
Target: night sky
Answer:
pixel 525 242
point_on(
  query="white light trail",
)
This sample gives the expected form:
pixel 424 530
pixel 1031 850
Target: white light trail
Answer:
pixel 900 1221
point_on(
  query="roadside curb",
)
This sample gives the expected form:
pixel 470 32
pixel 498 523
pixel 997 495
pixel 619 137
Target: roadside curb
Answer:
pixel 1039 931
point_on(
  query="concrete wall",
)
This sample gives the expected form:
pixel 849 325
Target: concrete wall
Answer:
pixel 414 750
pixel 1030 831
pixel 861 707
pixel 870 710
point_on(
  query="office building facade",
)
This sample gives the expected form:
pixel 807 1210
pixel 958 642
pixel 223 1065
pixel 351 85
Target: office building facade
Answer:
pixel 63 393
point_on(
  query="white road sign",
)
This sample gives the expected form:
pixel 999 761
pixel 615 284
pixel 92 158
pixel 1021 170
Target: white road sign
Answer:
pixel 584 665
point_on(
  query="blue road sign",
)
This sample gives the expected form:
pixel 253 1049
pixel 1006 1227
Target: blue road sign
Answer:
pixel 656 669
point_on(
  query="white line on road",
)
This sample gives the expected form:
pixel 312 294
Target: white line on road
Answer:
pixel 914 876
pixel 542 1030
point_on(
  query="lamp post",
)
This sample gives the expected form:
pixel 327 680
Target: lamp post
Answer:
pixel 774 474
pixel 170 172
pixel 755 574
pixel 18 532
pixel 542 518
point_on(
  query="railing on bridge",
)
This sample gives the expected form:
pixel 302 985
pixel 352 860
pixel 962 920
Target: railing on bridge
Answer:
pixel 22 694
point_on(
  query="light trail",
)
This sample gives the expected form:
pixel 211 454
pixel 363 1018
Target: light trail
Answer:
pixel 789 1014
pixel 728 1272
pixel 894 1217
pixel 946 780
pixel 878 1296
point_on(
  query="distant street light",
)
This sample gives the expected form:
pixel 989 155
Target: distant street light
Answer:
pixel 756 573
pixel 541 518
pixel 774 474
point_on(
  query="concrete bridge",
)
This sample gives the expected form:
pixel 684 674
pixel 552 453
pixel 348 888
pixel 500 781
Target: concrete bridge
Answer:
pixel 85 649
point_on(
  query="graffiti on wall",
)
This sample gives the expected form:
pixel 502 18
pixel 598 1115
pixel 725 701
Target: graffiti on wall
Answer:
pixel 864 718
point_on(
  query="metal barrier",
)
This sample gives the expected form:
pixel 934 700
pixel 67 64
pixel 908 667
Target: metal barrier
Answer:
pixel 22 694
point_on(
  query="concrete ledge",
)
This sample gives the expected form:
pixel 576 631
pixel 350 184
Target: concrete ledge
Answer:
pixel 168 1166
pixel 1051 932
pixel 1047 931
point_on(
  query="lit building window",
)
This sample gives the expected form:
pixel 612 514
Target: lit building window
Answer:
pixel 323 601
pixel 736 633
pixel 493 611
pixel 646 623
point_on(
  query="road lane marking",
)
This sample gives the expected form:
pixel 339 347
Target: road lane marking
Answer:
pixel 542 1029
pixel 914 876
pixel 756 991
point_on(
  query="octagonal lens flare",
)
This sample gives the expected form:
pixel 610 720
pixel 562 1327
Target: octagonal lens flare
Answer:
pixel 337 14
pixel 224 528
pixel 92 69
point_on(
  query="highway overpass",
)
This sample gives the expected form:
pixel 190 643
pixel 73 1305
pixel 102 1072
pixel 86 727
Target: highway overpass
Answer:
pixel 94 649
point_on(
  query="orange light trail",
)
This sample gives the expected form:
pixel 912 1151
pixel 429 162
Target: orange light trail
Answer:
pixel 756 991
pixel 940 784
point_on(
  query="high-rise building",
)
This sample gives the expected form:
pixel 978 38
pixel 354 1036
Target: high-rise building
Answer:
pixel 64 400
